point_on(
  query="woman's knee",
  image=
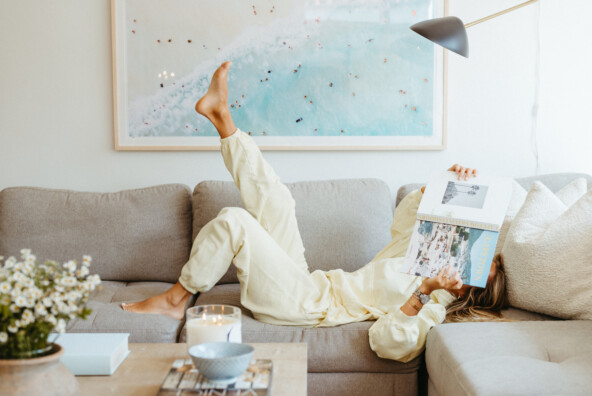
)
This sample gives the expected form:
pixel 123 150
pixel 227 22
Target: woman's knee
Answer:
pixel 235 214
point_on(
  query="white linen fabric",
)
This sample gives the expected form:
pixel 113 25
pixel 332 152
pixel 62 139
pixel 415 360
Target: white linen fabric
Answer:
pixel 265 246
pixel 548 252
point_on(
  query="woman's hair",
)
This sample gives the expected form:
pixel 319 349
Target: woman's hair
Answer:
pixel 482 304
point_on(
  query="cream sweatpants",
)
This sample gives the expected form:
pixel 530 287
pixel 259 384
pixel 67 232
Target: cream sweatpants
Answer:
pixel 263 242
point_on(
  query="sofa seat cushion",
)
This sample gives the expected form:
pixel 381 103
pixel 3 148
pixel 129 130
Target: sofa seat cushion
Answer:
pixel 518 358
pixel 330 349
pixel 108 317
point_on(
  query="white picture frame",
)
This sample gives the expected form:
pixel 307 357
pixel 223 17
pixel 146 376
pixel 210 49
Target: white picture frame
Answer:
pixel 126 73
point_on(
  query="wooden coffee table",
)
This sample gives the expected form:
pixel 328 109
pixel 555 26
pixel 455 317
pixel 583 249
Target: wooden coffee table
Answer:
pixel 143 371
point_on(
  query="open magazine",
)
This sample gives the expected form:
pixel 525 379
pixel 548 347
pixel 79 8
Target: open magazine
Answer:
pixel 458 224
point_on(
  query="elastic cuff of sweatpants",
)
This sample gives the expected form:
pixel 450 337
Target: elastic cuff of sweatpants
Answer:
pixel 185 283
pixel 231 137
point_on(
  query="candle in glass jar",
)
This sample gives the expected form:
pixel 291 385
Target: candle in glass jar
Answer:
pixel 213 328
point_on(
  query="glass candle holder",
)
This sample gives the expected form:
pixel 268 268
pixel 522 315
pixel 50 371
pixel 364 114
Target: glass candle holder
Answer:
pixel 213 323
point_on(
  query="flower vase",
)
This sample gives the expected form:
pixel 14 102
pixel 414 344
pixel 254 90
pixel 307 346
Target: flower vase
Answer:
pixel 45 375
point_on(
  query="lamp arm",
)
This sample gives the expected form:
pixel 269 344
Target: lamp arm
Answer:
pixel 468 25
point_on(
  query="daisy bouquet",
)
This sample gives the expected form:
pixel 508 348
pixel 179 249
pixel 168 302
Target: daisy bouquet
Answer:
pixel 36 300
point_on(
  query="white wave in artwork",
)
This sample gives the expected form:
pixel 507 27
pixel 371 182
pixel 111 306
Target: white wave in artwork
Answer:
pixel 169 111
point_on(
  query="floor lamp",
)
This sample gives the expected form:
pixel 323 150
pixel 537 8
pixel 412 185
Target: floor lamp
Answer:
pixel 450 32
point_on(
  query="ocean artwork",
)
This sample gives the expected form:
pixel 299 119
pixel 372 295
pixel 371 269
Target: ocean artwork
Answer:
pixel 328 74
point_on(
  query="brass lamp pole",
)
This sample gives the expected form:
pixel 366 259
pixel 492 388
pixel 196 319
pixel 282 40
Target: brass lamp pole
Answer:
pixel 450 32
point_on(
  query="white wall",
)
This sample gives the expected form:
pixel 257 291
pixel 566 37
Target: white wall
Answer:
pixel 56 115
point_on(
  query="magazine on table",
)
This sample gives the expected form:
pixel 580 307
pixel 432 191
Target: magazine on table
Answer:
pixel 185 379
pixel 458 224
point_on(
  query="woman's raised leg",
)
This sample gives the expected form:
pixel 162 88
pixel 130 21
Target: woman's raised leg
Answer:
pixel 262 193
pixel 266 199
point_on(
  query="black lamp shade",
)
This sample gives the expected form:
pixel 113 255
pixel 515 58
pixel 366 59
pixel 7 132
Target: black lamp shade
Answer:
pixel 449 32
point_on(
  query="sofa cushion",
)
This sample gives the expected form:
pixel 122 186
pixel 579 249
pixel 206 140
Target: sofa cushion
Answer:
pixel 330 349
pixel 548 253
pixel 108 317
pixel 519 358
pixel 343 223
pixel 554 182
pixel 522 315
pixel 132 235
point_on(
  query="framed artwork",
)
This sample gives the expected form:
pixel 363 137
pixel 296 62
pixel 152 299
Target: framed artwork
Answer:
pixel 306 74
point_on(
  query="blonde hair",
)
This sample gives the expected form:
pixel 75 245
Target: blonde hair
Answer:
pixel 482 304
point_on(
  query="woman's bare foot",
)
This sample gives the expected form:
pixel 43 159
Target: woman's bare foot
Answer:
pixel 214 104
pixel 170 303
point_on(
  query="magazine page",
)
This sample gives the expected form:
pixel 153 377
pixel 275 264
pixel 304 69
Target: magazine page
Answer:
pixel 480 202
pixel 433 246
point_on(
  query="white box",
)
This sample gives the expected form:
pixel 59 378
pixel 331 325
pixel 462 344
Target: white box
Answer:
pixel 93 353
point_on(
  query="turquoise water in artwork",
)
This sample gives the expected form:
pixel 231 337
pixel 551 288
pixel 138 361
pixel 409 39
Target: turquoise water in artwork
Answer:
pixel 356 71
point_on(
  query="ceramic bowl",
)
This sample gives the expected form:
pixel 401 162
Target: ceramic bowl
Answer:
pixel 221 361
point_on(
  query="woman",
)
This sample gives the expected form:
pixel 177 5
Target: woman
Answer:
pixel 264 244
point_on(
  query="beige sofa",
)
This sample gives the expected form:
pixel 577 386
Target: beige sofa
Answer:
pixel 140 239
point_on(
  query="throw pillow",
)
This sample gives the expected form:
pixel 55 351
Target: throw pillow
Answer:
pixel 516 201
pixel 548 253
pixel 568 195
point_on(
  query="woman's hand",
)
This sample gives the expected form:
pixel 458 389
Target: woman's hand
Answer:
pixel 462 172
pixel 443 280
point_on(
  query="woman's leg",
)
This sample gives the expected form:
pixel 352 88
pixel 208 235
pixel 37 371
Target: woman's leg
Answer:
pixel 263 195
pixel 273 287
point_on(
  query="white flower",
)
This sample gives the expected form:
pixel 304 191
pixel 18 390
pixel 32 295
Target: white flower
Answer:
pixel 25 253
pixel 27 317
pixel 10 262
pixel 86 260
pixel 72 307
pixel 3 337
pixel 14 308
pixel 47 302
pixel 40 310
pixel 51 319
pixel 82 272
pixel 45 282
pixel 5 287
pixel 70 266
pixel 35 293
pixel 13 328
pixel 61 326
pixel 74 295
pixel 5 300
pixel 20 301
pixel 63 308
pixel 94 279
pixel 29 267
pixel 19 277
pixel 69 281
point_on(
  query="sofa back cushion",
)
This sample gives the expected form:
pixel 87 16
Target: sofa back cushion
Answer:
pixel 343 223
pixel 554 182
pixel 134 235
